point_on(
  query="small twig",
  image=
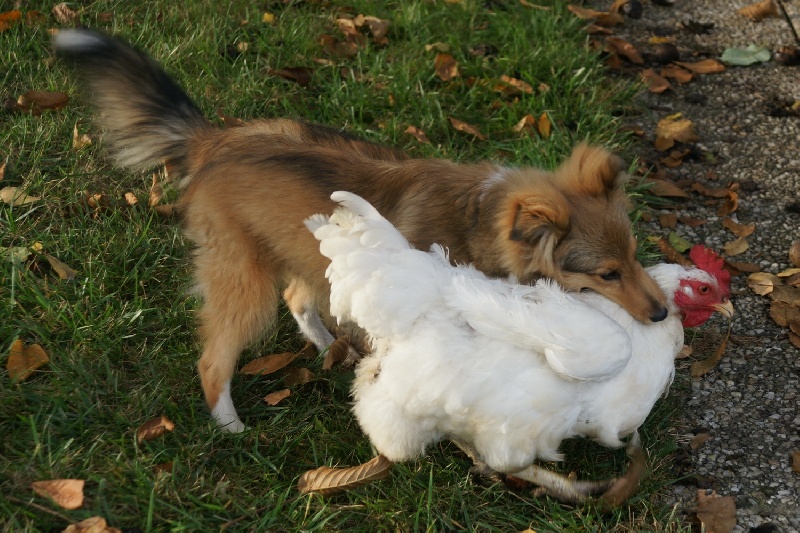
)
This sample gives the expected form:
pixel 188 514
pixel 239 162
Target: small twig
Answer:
pixel 40 508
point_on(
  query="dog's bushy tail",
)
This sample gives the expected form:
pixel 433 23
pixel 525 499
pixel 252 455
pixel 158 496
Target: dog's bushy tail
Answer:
pixel 147 117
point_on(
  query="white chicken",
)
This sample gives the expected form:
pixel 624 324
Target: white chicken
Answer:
pixel 508 370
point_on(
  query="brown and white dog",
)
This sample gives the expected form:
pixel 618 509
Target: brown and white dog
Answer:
pixel 247 191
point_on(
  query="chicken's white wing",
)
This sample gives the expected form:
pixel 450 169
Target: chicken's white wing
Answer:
pixel 579 343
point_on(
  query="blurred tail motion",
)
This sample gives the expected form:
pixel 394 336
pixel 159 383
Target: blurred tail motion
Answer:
pixel 147 117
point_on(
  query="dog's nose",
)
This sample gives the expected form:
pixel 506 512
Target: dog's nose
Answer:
pixel 659 315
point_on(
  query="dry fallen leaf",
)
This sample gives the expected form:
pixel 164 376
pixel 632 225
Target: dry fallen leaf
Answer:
pixel 600 18
pixel 337 352
pixel 685 352
pixel 730 204
pixel 9 18
pixel 794 253
pixel 417 133
pixel 65 15
pixel 154 428
pixel 23 360
pixel 95 524
pixel 699 440
pixel 527 123
pixel 716 513
pixel 15 196
pixel 512 86
pixel 668 220
pixel 760 10
pixel 466 128
pixel 784 313
pixel 297 376
pixel 35 102
pixel 63 270
pixel 299 75
pixel 739 246
pixel 671 254
pixel 702 367
pixel 796 461
pixel 446 66
pixel 67 493
pixel 704 66
pixel 740 230
pixel 327 481
pixel 131 199
pixel 692 222
pixel 625 49
pixel 377 27
pixel 80 140
pixel 655 82
pixel 673 129
pixel 739 267
pixel 543 125
pixel 274 398
pixel 677 73
pixel 267 364
pixel 665 188
pixel 762 283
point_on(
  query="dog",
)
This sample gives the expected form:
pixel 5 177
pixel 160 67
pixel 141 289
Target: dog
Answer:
pixel 247 190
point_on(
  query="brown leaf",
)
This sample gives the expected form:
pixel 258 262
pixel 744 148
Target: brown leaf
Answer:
pixel 783 313
pixel 794 253
pixel 446 66
pixel 512 86
pixel 164 467
pixel 730 204
pixel 2 171
pixel 789 272
pixel 786 294
pixel 65 15
pixel 705 66
pixel 742 267
pixel 66 493
pixel 327 481
pixel 794 338
pixel 417 133
pixel 63 270
pixel 625 49
pixel 156 190
pixel 699 440
pixel 80 140
pixel 601 18
pixel 740 230
pixel 528 122
pixel 15 196
pixel 337 48
pixel 23 360
pixel 692 222
pixel 796 461
pixel 665 188
pixel 701 368
pixel 35 102
pixel 655 83
pixel 466 128
pixel 297 376
pixel 300 75
pixel 716 513
pixel 154 428
pixel 543 125
pixel 308 351
pixel 673 129
pixel 9 18
pixel 760 10
pixel 739 246
pixel 671 254
pixel 684 352
pixel 762 283
pixel 337 352
pixel 677 73
pixel 274 398
pixel 713 192
pixel 668 220
pixel 95 524
pixel 267 364
pixel 131 199
pixel 377 27
pixel 229 121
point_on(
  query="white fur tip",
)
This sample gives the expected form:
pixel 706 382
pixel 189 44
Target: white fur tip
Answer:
pixel 75 40
pixel 314 222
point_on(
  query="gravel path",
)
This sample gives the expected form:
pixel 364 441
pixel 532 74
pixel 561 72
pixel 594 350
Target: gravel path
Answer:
pixel 749 403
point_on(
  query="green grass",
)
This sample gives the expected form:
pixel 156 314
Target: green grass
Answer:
pixel 120 335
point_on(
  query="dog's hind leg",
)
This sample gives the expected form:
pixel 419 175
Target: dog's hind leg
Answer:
pixel 240 302
pixel 303 307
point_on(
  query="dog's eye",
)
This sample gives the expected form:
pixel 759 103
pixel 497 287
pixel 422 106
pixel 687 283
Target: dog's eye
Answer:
pixel 610 276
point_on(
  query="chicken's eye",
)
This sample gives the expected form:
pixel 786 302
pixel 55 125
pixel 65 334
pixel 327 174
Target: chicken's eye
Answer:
pixel 610 276
pixel 703 289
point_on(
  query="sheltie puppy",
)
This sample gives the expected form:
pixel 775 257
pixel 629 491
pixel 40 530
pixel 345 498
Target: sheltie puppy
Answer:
pixel 246 192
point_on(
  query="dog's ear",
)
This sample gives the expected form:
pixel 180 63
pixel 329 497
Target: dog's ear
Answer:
pixel 593 171
pixel 539 219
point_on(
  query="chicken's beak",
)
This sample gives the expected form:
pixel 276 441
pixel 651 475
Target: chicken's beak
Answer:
pixel 726 308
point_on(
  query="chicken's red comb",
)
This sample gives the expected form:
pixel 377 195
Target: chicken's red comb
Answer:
pixel 706 259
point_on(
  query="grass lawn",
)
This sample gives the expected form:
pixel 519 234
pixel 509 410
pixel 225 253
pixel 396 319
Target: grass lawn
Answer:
pixel 120 334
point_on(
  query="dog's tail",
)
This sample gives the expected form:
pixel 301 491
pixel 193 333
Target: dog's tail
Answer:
pixel 147 117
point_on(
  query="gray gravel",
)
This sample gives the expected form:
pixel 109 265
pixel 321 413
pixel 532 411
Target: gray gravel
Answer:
pixel 749 403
